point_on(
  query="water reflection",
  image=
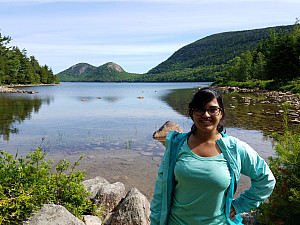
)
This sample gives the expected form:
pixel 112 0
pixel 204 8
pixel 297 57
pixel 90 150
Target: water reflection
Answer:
pixel 255 113
pixel 15 110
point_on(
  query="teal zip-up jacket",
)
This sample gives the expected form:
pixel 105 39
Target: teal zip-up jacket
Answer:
pixel 242 159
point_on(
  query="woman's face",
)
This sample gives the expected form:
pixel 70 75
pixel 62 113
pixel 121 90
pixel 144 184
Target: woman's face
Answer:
pixel 206 122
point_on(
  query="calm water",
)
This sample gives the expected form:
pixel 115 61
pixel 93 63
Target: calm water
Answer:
pixel 106 122
pixel 82 116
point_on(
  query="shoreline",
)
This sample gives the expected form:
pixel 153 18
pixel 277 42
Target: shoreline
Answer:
pixel 292 99
pixel 10 88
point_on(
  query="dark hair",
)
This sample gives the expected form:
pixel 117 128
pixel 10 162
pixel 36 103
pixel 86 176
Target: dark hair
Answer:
pixel 201 98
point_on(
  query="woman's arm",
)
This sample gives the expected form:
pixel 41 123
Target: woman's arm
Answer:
pixel 156 202
pixel 262 180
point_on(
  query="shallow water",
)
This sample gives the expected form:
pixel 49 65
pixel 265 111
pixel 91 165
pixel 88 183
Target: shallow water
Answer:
pixel 105 121
pixel 82 116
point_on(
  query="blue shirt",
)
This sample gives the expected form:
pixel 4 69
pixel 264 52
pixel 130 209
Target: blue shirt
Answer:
pixel 242 159
pixel 199 193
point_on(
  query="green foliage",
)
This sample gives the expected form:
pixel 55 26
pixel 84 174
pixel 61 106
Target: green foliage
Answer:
pixel 27 182
pixel 283 206
pixel 203 73
pixel 251 84
pixel 293 86
pixel 17 68
pixel 276 58
pixel 209 53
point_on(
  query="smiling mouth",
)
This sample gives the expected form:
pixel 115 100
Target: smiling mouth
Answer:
pixel 205 121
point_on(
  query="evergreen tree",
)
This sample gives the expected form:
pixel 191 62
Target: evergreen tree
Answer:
pixel 276 58
pixel 17 68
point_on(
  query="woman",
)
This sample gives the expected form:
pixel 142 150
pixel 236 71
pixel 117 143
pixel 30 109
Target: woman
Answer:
pixel 200 171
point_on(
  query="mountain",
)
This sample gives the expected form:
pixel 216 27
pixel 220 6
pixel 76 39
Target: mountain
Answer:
pixel 108 72
pixel 76 72
pixel 202 60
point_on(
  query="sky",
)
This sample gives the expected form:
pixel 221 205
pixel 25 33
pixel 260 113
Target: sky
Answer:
pixel 136 34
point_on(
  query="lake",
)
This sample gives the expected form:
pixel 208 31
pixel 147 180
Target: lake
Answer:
pixel 111 123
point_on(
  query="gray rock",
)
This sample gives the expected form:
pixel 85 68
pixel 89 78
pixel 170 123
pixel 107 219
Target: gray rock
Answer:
pixel 93 185
pixel 164 129
pixel 133 209
pixel 249 218
pixel 104 193
pixel 92 220
pixel 52 215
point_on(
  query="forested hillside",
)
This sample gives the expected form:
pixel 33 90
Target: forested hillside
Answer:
pixel 109 72
pixel 17 68
pixel 204 59
pixel 273 64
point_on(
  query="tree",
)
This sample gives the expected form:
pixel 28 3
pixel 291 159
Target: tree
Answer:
pixel 17 68
pixel 259 66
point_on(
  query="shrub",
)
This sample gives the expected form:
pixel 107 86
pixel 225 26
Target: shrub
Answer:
pixel 283 206
pixel 27 182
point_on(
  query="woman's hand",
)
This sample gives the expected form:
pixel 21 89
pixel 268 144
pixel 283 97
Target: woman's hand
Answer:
pixel 232 213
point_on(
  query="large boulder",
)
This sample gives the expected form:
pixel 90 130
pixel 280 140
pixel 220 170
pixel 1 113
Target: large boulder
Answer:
pixel 104 193
pixel 164 129
pixel 51 214
pixel 133 209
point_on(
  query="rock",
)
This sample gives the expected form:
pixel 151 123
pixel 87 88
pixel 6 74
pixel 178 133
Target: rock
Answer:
pixel 232 89
pixel 52 215
pixel 246 99
pixel 295 121
pixel 104 193
pixel 249 218
pixel 163 131
pixel 93 185
pixel 293 114
pixel 133 209
pixel 92 220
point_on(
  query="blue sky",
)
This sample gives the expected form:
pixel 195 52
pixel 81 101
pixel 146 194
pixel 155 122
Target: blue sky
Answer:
pixel 136 34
